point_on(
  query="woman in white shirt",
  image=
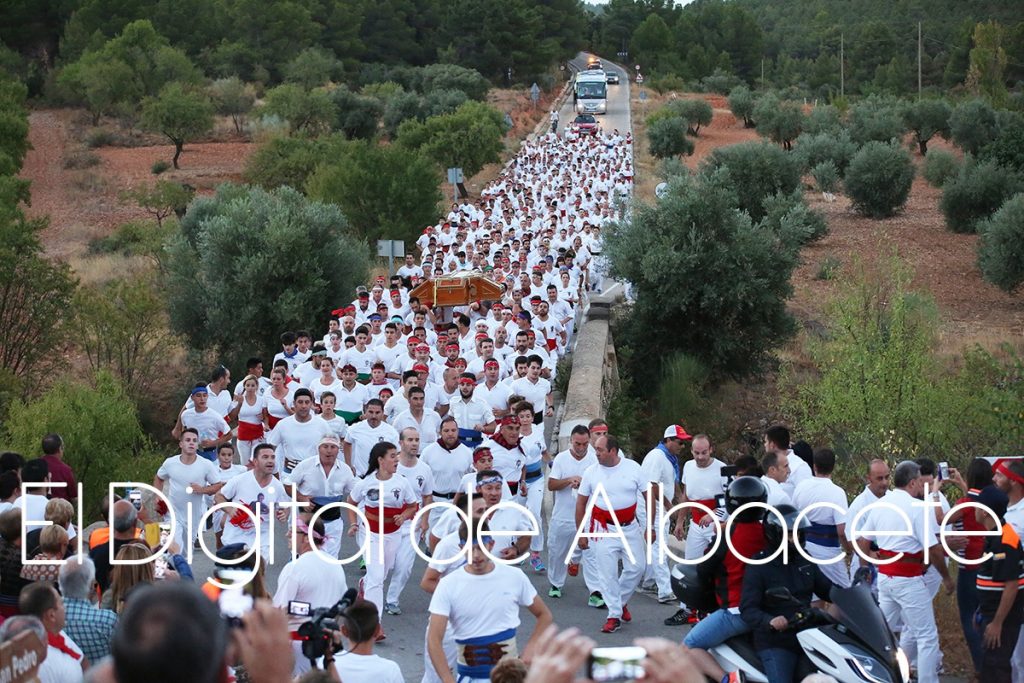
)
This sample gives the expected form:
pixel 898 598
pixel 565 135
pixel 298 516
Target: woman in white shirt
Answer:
pixel 277 401
pixel 249 413
pixel 326 381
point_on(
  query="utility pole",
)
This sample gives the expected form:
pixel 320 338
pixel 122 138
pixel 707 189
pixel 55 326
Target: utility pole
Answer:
pixel 762 73
pixel 919 59
pixel 842 66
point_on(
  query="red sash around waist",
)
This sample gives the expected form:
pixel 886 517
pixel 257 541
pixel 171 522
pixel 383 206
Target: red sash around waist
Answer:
pixel 248 431
pixel 600 517
pixel 389 526
pixel 696 514
pixel 911 564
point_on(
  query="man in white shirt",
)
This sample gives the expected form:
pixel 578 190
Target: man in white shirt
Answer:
pixel 358 664
pixel 623 484
pixel 702 482
pixel 362 436
pixel 903 595
pixel 777 439
pixel 448 459
pixel 492 390
pixel 776 471
pixel 324 476
pixel 425 422
pixel 536 390
pixel 219 398
pixel 827 536
pixel 877 486
pixel 564 481
pixel 481 600
pixel 662 469
pixel 257 490
pixel 310 579
pixel 296 437
pixel 64 662
pixel 421 478
pixel 35 475
pixel 192 479
pixel 212 429
pixel 473 415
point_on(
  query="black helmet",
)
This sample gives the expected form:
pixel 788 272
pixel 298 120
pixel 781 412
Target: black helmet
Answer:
pixel 687 586
pixel 745 490
pixel 774 531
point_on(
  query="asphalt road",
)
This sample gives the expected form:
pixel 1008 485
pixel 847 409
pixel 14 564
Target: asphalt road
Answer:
pixel 404 642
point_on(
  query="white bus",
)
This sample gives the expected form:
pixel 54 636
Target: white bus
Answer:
pixel 590 92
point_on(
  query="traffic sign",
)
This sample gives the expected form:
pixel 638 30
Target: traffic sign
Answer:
pixel 455 176
pixel 534 93
pixel 637 67
pixel 639 78
pixel 643 95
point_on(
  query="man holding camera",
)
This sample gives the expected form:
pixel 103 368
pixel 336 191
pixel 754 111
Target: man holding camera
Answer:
pixel 307 583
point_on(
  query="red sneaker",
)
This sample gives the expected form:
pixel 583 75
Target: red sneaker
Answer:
pixel 611 626
pixel 380 637
pixel 574 569
pixel 626 616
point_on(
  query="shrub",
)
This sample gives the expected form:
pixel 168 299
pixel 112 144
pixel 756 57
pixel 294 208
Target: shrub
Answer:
pixel 828 268
pixel 468 138
pixel 973 125
pixel 826 176
pixel 721 82
pixel 103 440
pixel 735 319
pixel 779 120
pixel 357 115
pixel 313 67
pixel 697 113
pixel 400 108
pixel 1001 247
pixel 98 137
pixel 159 167
pixel 682 391
pixel 285 259
pixel 741 102
pixel 877 119
pixel 824 118
pixel 757 170
pixel 663 84
pixel 671 167
pixel 939 166
pixel 814 148
pixel 290 161
pixel 975 193
pixel 1008 146
pixel 80 159
pixel 309 111
pixel 926 119
pixel 792 221
pixel 879 178
pixel 453 77
pixel 667 137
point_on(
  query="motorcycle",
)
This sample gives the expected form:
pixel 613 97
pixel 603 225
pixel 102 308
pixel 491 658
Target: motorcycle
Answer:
pixel 853 645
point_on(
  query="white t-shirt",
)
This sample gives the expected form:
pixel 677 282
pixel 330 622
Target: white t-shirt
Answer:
pixel 310 579
pixel 420 476
pixel 351 400
pixel 820 490
pixel 536 394
pixel 624 484
pixel 447 466
pixel 459 596
pixel 296 440
pixel 703 483
pixel 312 481
pixel 565 465
pixel 354 668
pixel 318 387
pixel 507 461
pixel 208 423
pixel 470 413
pixel 533 445
pixel 865 498
pixel 60 667
pixel 659 470
pixel 362 437
pixel 180 476
pixel 428 428
pixel 496 397
pixel 33 507
pixel 245 490
pixel 798 471
pixel 220 403
pixel 776 494
pixel 449 547
pixel 397 491
pixel 884 518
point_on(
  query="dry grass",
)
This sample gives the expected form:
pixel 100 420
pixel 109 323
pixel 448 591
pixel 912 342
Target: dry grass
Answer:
pixel 102 268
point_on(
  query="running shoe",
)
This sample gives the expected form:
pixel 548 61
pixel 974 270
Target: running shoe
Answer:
pixel 392 608
pixel 626 616
pixel 650 587
pixel 734 677
pixel 555 592
pixel 537 564
pixel 574 569
pixel 611 626
pixel 381 637
pixel 595 600
pixel 680 618
pixel 666 599
pixel 362 565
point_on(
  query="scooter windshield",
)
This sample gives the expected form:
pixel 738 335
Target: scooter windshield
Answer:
pixel 862 617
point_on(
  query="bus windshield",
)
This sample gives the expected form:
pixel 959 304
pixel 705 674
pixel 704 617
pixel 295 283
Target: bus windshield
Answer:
pixel 592 91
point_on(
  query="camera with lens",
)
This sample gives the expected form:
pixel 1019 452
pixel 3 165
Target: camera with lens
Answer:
pixel 315 633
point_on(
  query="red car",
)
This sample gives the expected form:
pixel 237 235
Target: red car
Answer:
pixel 585 124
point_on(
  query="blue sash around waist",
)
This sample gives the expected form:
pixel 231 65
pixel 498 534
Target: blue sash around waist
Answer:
pixel 482 670
pixel 470 438
pixel 823 534
pixel 534 471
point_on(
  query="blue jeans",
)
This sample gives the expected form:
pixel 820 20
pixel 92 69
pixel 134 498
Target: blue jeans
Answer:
pixel 715 629
pixel 779 664
pixel 967 604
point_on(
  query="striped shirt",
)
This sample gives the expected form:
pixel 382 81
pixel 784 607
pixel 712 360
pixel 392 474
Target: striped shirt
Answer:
pixel 1004 565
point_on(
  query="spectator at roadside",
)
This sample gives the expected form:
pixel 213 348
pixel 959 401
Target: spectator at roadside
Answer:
pixel 125 577
pixel 64 662
pixel 34 493
pixel 11 582
pixel 124 532
pixel 10 489
pixel 53 546
pixel 60 471
pixel 88 625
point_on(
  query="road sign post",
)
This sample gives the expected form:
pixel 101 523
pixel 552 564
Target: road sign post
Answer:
pixel 392 249
pixel 534 94
pixel 455 177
